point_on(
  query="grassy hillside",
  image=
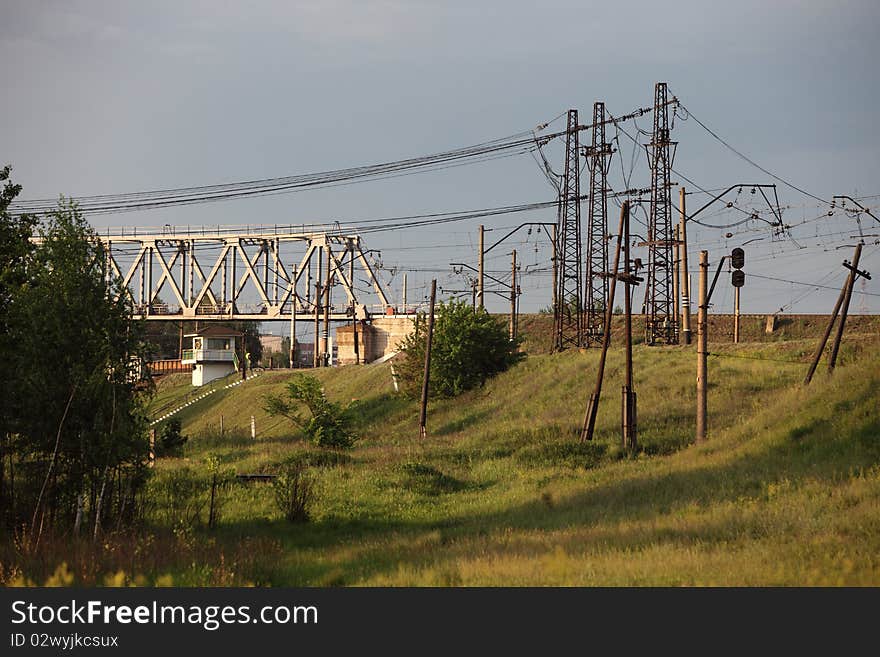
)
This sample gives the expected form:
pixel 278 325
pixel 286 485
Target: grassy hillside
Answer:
pixel 785 491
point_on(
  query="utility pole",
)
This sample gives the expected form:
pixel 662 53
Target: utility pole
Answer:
pixel 480 270
pixel 676 273
pixel 404 292
pixel 702 348
pixel 685 274
pixel 512 330
pixel 629 422
pixel 660 324
pixel 555 275
pixel 850 283
pixel 292 350
pixel 423 408
pixel 325 340
pixel 316 349
pixel 593 405
pixel 569 320
pixel 818 355
pixel 596 289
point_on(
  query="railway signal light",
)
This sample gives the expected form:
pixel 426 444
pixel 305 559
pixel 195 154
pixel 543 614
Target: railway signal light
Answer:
pixel 738 278
pixel 737 258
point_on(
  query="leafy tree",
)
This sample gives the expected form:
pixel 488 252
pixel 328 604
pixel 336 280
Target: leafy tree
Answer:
pixel 171 439
pixel 468 347
pixel 15 250
pixel 330 425
pixel 79 421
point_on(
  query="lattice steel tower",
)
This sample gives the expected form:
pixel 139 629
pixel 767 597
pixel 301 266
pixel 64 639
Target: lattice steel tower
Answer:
pixel 596 288
pixel 569 300
pixel 661 324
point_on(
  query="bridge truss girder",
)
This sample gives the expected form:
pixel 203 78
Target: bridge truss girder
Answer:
pixel 241 267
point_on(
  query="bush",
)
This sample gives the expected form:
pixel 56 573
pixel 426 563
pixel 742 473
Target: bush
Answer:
pixel 172 440
pixel 468 348
pixel 294 493
pixel 330 425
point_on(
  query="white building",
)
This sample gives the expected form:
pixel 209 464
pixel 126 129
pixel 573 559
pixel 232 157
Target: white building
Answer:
pixel 212 355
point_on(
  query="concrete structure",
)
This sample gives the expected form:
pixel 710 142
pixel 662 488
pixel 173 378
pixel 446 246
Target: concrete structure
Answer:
pixel 377 339
pixel 212 355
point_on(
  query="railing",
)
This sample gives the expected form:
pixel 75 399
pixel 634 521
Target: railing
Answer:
pixel 201 355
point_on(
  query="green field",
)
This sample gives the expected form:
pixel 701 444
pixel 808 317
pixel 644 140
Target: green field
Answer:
pixel 786 491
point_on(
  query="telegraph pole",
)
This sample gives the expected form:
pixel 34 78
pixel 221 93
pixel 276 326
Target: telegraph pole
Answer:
pixel 629 423
pixel 423 408
pixel 513 296
pixel 850 283
pixel 685 275
pixel 676 273
pixel 593 405
pixel 702 348
pixel 325 340
pixel 292 349
pixel 480 298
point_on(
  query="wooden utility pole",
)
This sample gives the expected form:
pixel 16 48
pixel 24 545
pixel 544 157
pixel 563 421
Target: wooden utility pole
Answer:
pixel 593 405
pixel 629 423
pixel 316 349
pixel 850 283
pixel 292 349
pixel 512 330
pixel 480 271
pixel 555 279
pixel 685 275
pixel 325 340
pixel 676 275
pixel 818 355
pixel 702 349
pixel 423 408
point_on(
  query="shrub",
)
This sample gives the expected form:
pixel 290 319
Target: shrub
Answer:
pixel 294 493
pixel 171 439
pixel 468 347
pixel 329 426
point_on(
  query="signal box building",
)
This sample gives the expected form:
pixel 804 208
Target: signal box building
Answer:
pixel 212 355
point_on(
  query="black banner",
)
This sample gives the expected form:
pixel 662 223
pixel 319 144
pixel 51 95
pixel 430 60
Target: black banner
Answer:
pixel 156 621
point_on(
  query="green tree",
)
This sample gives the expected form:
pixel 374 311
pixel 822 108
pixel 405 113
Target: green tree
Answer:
pixel 330 425
pixel 468 347
pixel 80 424
pixel 15 251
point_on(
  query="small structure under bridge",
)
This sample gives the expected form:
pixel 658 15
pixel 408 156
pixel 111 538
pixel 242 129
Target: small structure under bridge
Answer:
pixel 243 273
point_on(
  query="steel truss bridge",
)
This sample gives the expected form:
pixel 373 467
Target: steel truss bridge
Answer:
pixel 240 273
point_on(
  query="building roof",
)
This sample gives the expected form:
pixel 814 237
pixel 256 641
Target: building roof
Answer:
pixel 215 332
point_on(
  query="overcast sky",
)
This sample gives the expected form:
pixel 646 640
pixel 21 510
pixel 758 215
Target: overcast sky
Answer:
pixel 106 97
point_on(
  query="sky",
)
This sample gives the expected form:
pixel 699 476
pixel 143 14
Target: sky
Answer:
pixel 111 97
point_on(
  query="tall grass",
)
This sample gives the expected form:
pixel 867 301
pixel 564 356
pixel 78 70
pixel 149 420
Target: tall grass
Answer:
pixel 785 491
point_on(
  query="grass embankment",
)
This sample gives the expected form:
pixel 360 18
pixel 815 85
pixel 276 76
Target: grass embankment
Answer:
pixel 785 491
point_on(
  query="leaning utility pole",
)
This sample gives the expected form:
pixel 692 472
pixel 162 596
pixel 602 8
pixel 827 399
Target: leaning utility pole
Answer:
pixel 593 405
pixel 423 408
pixel 569 319
pixel 661 326
pixel 850 283
pixel 596 289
